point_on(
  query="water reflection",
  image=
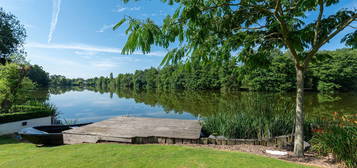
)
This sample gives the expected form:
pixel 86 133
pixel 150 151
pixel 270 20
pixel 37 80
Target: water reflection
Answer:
pixel 93 104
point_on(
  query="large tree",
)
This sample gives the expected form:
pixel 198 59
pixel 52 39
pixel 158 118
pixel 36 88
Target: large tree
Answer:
pixel 12 36
pixel 215 30
pixel 39 76
pixel 14 85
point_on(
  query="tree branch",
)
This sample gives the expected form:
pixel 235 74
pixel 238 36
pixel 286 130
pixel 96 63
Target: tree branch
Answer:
pixel 285 33
pixel 339 28
pixel 293 5
pixel 271 34
pixel 261 9
pixel 250 28
pixel 318 22
pixel 221 5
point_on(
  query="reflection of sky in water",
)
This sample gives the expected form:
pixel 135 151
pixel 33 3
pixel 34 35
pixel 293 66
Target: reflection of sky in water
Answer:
pixel 88 106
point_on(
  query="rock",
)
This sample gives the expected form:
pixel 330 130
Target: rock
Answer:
pixel 217 137
pixel 306 146
pixel 274 152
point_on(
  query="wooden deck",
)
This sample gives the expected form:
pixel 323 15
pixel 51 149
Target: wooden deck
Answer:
pixel 135 130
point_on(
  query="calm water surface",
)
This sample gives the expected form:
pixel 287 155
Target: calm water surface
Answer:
pixel 83 105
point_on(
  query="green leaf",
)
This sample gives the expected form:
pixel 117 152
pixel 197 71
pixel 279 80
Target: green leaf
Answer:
pixel 119 23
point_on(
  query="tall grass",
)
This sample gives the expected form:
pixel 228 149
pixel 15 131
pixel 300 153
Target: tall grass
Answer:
pixel 340 141
pixel 259 116
pixel 338 137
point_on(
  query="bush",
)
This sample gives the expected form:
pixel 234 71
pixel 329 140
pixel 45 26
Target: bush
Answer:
pixel 28 111
pixel 341 141
pixel 337 71
pixel 14 86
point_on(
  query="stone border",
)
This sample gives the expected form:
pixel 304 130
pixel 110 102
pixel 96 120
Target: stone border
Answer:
pixel 280 141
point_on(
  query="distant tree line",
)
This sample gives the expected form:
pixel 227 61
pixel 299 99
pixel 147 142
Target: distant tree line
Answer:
pixel 330 71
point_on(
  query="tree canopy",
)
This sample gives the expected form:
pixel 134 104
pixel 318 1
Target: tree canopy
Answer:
pixel 12 35
pixel 38 75
pixel 13 85
pixel 211 30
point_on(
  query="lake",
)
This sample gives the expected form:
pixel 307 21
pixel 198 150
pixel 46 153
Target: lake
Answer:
pixel 91 105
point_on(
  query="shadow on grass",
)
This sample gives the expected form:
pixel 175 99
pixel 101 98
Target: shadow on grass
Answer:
pixel 13 139
pixel 8 139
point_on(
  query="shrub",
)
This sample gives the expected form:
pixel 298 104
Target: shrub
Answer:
pixel 338 139
pixel 28 111
pixel 14 85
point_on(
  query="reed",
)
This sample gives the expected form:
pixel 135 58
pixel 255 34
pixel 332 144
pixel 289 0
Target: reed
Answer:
pixel 259 117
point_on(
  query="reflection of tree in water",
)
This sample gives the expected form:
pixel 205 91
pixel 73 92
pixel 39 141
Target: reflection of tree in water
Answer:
pixel 40 95
pixel 206 103
pixel 324 105
pixel 62 90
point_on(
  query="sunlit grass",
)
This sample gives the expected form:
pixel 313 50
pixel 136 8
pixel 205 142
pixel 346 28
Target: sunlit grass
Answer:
pixel 14 154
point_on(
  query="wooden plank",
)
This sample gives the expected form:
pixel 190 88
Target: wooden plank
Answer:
pixel 122 129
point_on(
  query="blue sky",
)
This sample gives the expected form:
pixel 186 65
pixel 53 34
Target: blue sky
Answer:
pixel 74 37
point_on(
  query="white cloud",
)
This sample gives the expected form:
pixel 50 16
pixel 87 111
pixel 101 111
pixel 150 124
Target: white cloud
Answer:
pixel 112 62
pixel 86 57
pixel 135 8
pixel 85 53
pixel 105 27
pixel 56 60
pixel 104 65
pixel 81 47
pixel 160 13
pixel 88 48
pixel 155 53
pixel 122 9
pixel 55 12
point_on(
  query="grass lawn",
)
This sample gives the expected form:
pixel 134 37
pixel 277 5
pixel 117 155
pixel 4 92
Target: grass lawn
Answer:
pixel 14 154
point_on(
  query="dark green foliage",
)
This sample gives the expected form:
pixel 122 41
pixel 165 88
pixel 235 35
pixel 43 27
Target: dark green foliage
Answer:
pixel 337 71
pixel 139 80
pixel 278 76
pixel 12 35
pixel 28 111
pixel 39 76
pixel 14 85
pixel 340 141
pixel 58 80
pixel 330 71
pixel 351 39
pixel 151 78
pixel 18 116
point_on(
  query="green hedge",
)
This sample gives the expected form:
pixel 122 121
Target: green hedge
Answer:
pixel 18 116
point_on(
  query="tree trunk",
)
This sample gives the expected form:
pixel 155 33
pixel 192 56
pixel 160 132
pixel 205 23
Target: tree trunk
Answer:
pixel 299 119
